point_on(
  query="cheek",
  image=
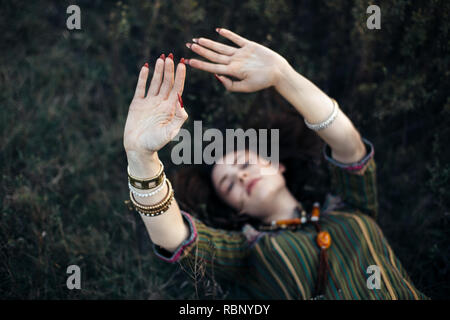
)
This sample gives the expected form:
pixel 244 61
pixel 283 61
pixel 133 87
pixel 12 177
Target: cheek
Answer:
pixel 233 199
pixel 266 187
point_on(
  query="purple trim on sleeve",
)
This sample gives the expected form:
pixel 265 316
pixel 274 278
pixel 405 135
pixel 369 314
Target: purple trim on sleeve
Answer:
pixel 175 256
pixel 355 166
pixel 253 235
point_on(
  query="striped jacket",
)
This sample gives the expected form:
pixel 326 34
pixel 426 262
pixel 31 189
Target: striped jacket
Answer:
pixel 284 264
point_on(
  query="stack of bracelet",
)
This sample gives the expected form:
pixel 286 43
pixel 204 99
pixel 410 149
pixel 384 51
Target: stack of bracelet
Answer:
pixel 154 185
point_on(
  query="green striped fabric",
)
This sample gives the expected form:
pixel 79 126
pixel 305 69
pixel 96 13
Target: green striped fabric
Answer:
pixel 284 264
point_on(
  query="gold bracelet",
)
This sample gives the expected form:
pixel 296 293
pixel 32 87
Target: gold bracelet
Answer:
pixel 158 208
pixel 144 184
pixel 154 213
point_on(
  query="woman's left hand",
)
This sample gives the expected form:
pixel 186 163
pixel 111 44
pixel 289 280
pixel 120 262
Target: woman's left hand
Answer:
pixel 255 66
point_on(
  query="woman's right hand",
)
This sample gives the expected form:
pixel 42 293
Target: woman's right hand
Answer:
pixel 155 118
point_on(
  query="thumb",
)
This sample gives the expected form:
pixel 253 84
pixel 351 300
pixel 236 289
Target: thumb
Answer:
pixel 230 85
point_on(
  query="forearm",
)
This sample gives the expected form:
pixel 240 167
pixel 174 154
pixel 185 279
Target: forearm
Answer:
pixel 315 106
pixel 168 229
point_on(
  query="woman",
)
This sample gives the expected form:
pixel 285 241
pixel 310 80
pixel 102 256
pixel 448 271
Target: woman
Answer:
pixel 291 254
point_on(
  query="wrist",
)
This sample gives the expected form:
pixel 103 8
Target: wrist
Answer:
pixel 311 102
pixel 143 164
pixel 283 74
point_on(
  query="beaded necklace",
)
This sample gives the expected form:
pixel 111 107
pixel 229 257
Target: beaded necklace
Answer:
pixel 323 240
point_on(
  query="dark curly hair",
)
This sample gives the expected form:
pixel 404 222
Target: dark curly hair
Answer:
pixel 300 152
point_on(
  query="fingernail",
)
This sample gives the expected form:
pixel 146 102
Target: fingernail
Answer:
pixel 186 61
pixel 163 56
pixel 218 30
pixel 182 60
pixel 217 77
pixel 170 56
pixel 195 40
pixel 189 45
pixel 180 100
pixel 146 65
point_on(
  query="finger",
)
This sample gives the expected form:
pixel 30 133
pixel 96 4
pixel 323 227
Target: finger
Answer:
pixel 210 67
pixel 216 46
pixel 178 119
pixel 155 84
pixel 180 77
pixel 180 111
pixel 237 39
pixel 208 54
pixel 230 85
pixel 142 81
pixel 180 100
pixel 168 79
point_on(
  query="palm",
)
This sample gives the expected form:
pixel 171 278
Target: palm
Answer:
pixel 155 119
pixel 149 127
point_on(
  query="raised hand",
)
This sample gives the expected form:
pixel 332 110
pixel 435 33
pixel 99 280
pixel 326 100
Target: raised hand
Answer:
pixel 255 66
pixel 156 117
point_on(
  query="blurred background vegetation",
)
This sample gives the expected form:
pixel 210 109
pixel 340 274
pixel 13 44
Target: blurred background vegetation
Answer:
pixel 64 98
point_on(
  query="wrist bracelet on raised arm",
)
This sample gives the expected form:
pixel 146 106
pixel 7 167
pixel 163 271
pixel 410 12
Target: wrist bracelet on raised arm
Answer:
pixel 147 183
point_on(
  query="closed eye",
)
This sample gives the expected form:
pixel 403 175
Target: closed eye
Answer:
pixel 230 187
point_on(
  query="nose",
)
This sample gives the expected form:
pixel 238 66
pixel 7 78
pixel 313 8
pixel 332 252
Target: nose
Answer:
pixel 242 175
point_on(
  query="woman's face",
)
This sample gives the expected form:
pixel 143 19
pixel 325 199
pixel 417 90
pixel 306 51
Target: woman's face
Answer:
pixel 247 182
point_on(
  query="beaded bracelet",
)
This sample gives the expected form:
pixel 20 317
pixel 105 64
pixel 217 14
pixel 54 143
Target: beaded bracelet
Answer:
pixel 155 206
pixel 156 213
pixel 326 123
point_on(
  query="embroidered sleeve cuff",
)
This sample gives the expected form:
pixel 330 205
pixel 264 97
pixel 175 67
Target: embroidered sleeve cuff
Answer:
pixel 173 257
pixel 351 167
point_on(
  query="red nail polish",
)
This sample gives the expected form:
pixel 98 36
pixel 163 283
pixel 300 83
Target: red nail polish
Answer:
pixel 170 56
pixel 180 100
pixel 182 60
pixel 217 77
pixel 146 65
pixel 163 56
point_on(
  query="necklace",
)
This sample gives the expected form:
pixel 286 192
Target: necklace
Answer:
pixel 323 240
pixel 293 223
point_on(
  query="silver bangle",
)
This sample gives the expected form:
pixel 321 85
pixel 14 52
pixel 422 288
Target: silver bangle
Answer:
pixel 325 124
pixel 144 195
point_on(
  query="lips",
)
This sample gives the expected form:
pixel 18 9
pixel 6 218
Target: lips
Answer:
pixel 251 184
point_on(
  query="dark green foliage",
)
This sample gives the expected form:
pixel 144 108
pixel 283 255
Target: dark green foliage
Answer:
pixel 64 98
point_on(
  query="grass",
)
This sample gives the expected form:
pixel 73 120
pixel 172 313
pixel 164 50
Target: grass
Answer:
pixel 64 102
